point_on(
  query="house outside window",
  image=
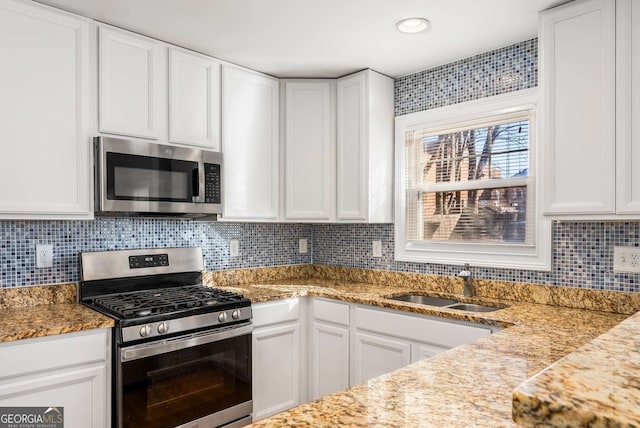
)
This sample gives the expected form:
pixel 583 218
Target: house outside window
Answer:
pixel 466 185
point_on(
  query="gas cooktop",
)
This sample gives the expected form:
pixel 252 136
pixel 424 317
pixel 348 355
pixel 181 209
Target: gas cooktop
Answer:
pixel 151 293
pixel 161 301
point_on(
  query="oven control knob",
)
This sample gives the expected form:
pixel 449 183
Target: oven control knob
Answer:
pixel 145 330
pixel 222 316
pixel 235 314
pixel 163 328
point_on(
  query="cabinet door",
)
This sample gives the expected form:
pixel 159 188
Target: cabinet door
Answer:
pixel 309 178
pixel 44 81
pixel 130 83
pixel 194 99
pixel 377 355
pixel 628 107
pixel 351 143
pixel 365 116
pixel 276 376
pixel 422 351
pixel 80 392
pixel 250 144
pixel 329 359
pixel 578 109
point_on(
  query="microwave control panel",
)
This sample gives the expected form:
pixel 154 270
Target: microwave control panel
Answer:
pixel 212 183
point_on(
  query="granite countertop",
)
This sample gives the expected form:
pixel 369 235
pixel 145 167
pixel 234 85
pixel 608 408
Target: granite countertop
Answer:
pixel 595 386
pixel 45 311
pixel 470 386
pixel 473 385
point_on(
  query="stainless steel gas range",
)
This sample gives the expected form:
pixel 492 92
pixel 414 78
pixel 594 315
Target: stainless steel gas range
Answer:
pixel 182 351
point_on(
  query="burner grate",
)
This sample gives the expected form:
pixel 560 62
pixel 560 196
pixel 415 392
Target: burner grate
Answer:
pixel 164 300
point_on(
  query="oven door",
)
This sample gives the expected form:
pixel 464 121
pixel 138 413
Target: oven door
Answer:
pixel 202 379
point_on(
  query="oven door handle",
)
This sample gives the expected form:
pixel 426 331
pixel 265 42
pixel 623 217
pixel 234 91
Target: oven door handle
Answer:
pixel 174 344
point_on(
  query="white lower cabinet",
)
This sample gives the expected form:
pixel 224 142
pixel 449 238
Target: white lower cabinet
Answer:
pixel 385 340
pixel 276 357
pixel 423 351
pixel 69 371
pixel 375 355
pixel 330 359
pixel 329 347
pixel 347 344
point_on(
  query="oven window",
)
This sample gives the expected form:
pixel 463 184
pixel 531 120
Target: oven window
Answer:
pixel 177 387
pixel 144 178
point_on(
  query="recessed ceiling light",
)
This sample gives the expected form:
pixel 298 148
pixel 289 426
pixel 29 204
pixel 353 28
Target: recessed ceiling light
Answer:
pixel 412 25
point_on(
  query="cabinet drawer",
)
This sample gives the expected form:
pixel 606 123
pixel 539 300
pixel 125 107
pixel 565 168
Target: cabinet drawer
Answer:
pixel 443 333
pixel 34 355
pixel 275 312
pixel 330 311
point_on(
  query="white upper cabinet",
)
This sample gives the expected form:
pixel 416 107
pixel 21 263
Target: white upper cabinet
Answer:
pixel 578 108
pixel 45 103
pixel 628 106
pixel 365 148
pixel 194 99
pixel 250 145
pixel 590 122
pixel 131 84
pixel 149 89
pixel 309 149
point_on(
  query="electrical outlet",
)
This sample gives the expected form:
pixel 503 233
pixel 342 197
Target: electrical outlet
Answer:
pixel 626 259
pixel 44 255
pixel 377 249
pixel 303 246
pixel 234 248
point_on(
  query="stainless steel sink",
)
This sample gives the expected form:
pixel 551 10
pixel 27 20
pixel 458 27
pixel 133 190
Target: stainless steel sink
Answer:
pixel 469 307
pixel 424 300
pixel 444 303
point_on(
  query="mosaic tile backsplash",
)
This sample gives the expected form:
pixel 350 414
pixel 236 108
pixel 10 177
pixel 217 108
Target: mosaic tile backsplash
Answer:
pixel 261 244
pixel 582 251
pixel 508 69
pixel 582 254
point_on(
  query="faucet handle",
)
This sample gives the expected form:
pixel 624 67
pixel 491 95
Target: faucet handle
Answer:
pixel 466 272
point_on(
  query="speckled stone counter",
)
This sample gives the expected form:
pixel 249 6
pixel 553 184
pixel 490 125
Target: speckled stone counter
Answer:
pixel 469 386
pixel 45 311
pixel 598 385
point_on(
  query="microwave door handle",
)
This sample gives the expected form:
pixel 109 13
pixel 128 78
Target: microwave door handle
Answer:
pixel 195 184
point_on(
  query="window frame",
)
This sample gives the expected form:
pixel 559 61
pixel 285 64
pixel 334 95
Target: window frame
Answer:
pixel 536 256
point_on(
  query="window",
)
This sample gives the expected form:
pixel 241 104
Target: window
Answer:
pixel 466 182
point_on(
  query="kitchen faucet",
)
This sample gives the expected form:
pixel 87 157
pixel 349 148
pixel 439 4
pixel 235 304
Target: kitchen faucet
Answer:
pixel 465 274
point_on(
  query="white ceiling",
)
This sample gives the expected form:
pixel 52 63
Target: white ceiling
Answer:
pixel 324 38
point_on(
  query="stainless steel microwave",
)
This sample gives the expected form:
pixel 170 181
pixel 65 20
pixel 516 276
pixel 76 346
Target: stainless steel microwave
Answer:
pixel 137 177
